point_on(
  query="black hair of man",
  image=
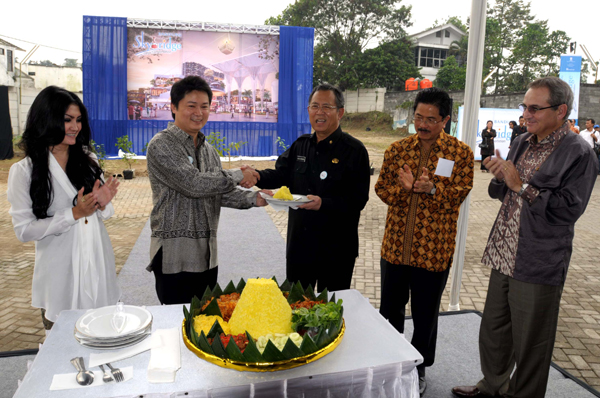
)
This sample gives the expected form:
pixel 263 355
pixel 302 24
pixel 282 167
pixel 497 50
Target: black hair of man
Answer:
pixel 187 85
pixel 339 97
pixel 434 96
pixel 521 117
pixel 591 120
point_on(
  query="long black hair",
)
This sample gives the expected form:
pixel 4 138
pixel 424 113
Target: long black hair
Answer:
pixel 44 129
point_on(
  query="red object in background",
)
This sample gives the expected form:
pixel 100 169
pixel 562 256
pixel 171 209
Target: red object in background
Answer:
pixel 411 84
pixel 426 83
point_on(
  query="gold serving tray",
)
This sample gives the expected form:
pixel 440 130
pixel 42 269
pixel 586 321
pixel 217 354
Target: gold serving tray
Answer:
pixel 264 366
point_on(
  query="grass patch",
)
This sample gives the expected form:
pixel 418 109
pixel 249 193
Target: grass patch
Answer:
pixel 375 121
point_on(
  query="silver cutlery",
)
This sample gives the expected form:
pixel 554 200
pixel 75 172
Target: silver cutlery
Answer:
pixel 118 375
pixel 107 378
pixel 84 377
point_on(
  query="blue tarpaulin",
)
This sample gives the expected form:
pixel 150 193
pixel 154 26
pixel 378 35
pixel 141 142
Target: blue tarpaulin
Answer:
pixel 105 92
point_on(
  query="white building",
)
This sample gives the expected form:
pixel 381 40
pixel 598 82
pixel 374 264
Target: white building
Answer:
pixel 30 80
pixel 7 63
pixel 67 77
pixel 431 48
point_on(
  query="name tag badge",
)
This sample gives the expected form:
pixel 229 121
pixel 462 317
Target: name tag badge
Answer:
pixel 191 159
pixel 444 167
pixel 323 175
pixel 301 158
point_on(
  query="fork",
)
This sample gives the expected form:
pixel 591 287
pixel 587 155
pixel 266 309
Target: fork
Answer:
pixel 116 373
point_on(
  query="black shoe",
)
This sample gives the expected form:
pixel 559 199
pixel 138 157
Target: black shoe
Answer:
pixel 468 392
pixel 422 381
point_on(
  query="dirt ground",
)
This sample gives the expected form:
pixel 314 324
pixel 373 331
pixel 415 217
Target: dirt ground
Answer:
pixel 375 142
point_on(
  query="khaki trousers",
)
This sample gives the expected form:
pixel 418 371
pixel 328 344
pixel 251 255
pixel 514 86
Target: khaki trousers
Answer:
pixel 518 328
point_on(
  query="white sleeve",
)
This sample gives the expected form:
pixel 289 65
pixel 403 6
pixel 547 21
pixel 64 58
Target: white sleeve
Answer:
pixel 107 213
pixel 27 227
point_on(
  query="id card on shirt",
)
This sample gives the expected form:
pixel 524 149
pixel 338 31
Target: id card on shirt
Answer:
pixel 444 167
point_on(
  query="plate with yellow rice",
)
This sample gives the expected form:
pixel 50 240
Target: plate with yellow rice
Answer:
pixel 283 196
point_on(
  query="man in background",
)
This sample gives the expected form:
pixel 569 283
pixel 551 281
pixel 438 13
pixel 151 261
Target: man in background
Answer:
pixel 518 130
pixel 589 134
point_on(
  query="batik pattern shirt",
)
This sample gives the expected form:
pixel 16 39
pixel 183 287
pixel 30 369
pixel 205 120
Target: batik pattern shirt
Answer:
pixel 188 189
pixel 420 228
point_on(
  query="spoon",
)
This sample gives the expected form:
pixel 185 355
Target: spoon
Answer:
pixel 107 378
pixel 84 377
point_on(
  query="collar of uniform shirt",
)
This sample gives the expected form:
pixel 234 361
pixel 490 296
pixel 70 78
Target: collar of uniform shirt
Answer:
pixel 331 140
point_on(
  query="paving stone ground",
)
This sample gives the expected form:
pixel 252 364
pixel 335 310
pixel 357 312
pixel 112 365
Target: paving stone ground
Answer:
pixel 577 346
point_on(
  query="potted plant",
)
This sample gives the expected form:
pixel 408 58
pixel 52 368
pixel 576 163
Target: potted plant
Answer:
pixel 125 146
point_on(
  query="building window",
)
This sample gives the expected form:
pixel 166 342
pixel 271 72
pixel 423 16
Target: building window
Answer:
pixel 438 33
pixel 447 33
pixel 9 60
pixel 432 57
pixel 31 73
pixel 1 51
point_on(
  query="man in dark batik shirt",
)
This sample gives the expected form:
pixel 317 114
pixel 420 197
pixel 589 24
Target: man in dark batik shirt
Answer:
pixel 544 186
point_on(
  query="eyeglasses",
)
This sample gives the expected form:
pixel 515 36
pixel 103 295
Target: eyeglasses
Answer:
pixel 427 121
pixel 532 109
pixel 324 108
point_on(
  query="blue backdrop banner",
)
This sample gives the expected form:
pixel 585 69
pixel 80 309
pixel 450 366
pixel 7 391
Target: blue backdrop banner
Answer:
pixel 570 72
pixel 105 92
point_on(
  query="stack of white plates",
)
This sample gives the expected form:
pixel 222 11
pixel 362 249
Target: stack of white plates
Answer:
pixel 95 329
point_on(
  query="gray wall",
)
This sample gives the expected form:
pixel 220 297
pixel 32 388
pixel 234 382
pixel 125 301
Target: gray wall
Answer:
pixel 589 101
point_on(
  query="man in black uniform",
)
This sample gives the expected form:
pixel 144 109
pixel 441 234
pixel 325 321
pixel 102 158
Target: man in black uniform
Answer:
pixel 331 168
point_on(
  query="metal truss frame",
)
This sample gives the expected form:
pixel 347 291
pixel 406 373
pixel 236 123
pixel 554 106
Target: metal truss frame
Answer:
pixel 203 26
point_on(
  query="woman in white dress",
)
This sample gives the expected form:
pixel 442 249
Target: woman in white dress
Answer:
pixel 58 199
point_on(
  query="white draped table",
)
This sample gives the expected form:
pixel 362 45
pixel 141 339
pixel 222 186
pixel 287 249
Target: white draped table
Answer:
pixel 373 360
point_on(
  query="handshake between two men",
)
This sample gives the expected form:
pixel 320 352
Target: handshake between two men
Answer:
pixel 250 179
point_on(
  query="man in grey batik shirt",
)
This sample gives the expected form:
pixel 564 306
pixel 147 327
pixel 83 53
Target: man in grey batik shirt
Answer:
pixel 188 189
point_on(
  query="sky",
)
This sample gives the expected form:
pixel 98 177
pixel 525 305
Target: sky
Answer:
pixel 58 24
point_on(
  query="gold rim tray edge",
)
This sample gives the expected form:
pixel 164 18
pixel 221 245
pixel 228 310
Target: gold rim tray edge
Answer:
pixel 264 366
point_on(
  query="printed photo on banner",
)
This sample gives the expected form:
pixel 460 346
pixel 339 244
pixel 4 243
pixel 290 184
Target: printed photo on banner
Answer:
pixel 501 118
pixel 242 70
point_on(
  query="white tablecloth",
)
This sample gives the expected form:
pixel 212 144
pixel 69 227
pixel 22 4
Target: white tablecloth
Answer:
pixel 373 360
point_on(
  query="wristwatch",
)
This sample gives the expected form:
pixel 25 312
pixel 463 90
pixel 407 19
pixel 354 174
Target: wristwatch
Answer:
pixel 432 192
pixel 523 188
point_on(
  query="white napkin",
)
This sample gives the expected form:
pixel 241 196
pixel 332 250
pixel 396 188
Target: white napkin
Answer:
pixel 165 359
pixel 66 381
pixel 118 355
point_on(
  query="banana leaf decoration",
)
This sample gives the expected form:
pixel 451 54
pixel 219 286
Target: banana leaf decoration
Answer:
pixel 251 354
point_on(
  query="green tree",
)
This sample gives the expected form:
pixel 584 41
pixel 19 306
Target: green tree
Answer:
pixel 509 21
pixel 343 30
pixel 388 65
pixel 459 49
pixel 451 76
pixel 45 62
pixel 518 48
pixel 456 21
pixel 70 62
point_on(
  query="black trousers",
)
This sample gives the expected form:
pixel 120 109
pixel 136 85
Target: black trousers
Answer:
pixel 180 288
pixel 426 290
pixel 483 156
pixel 331 274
